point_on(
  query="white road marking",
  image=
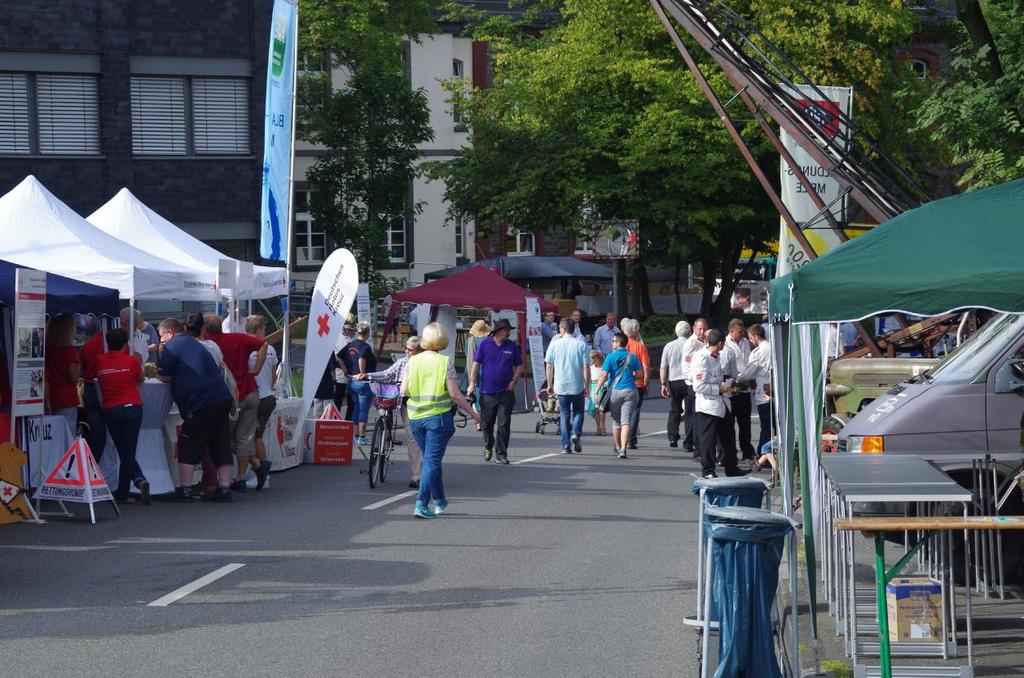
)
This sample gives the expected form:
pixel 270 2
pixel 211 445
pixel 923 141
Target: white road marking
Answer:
pixel 526 461
pixel 192 587
pixel 391 500
pixel 656 433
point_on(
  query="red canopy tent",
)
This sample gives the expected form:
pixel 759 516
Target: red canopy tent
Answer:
pixel 477 287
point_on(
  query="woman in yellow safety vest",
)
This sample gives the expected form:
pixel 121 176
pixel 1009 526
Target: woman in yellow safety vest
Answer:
pixel 432 387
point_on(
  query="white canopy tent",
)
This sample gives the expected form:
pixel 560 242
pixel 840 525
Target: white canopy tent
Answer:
pixel 128 219
pixel 39 231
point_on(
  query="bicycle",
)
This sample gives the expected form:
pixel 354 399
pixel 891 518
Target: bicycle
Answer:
pixel 382 442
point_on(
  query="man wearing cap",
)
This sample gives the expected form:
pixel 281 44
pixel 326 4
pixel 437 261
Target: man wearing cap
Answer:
pixel 497 366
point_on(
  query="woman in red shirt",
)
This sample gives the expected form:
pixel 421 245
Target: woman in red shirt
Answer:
pixel 62 370
pixel 118 375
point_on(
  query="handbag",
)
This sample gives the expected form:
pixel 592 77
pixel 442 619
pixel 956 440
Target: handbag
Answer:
pixel 604 396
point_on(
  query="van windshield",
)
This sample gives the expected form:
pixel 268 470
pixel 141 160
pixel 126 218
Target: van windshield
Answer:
pixel 974 356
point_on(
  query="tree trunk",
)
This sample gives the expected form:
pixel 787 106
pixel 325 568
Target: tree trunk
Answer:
pixel 709 271
pixel 640 280
pixel 974 21
pixel 722 306
pixel 676 268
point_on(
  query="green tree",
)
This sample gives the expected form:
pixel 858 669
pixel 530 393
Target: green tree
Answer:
pixel 369 127
pixel 599 111
pixel 973 114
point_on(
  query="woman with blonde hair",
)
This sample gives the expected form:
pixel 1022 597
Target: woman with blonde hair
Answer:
pixel 432 387
pixel 63 370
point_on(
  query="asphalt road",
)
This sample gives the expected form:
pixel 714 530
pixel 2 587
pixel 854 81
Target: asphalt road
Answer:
pixel 578 565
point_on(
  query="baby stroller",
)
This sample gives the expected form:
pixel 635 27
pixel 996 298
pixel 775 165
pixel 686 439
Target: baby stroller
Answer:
pixel 547 404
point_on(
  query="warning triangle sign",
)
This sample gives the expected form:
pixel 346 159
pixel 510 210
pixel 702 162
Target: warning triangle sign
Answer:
pixel 76 477
pixel 331 413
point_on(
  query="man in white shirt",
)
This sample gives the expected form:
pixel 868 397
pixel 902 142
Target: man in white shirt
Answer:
pixel 759 370
pixel 603 335
pixel 567 367
pixel 138 343
pixel 693 344
pixel 673 379
pixel 739 349
pixel 266 379
pixel 710 387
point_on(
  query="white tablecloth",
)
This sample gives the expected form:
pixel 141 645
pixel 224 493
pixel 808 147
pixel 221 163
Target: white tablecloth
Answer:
pixel 49 438
pixel 156 403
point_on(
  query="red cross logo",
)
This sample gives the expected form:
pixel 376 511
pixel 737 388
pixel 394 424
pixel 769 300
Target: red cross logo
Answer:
pixel 323 328
pixel 7 491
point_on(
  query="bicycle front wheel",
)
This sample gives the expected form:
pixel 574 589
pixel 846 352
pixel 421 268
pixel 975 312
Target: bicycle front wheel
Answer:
pixel 387 446
pixel 376 450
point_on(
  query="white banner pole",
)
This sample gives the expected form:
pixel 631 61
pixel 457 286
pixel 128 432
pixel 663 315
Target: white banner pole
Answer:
pixel 286 337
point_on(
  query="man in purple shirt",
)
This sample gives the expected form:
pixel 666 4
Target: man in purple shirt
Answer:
pixel 497 365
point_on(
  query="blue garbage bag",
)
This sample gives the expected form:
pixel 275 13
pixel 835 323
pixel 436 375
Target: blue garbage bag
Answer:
pixel 747 552
pixel 739 491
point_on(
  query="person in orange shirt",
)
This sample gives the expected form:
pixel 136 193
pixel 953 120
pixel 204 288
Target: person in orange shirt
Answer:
pixel 636 347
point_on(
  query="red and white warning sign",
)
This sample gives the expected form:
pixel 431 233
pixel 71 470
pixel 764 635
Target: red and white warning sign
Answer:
pixel 76 477
pixel 331 413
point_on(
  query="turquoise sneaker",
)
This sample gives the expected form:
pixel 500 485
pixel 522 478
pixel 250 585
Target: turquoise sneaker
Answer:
pixel 440 507
pixel 422 511
pixel 488 454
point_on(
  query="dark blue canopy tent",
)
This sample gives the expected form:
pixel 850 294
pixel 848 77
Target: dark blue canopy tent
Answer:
pixel 63 295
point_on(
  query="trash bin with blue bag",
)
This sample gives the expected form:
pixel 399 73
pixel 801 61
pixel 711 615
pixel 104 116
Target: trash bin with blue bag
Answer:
pixel 745 551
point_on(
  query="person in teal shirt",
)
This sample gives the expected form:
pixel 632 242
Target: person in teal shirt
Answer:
pixel 621 368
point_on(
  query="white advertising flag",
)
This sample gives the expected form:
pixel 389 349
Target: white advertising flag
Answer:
pixel 536 341
pixel 333 296
pixel 29 342
pixel 796 198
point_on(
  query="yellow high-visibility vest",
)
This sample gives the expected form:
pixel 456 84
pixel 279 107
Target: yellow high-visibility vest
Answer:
pixel 428 385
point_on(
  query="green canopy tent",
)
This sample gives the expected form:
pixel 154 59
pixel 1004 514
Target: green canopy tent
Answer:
pixel 956 253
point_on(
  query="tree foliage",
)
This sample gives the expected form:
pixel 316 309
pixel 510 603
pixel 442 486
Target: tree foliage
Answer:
pixel 369 126
pixel 598 117
pixel 974 111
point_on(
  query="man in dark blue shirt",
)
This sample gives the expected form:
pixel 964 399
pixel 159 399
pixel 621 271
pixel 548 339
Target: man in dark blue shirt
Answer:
pixel 204 401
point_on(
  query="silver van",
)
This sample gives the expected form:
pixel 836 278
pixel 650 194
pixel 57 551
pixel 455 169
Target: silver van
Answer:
pixel 969 405
pixel 966 406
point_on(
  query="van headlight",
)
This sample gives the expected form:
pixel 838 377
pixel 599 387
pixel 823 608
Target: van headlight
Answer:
pixel 865 444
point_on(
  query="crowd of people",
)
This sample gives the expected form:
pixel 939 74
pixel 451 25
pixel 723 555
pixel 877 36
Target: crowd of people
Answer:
pixel 222 382
pixel 713 380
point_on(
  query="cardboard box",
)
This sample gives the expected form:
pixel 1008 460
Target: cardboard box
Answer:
pixel 915 610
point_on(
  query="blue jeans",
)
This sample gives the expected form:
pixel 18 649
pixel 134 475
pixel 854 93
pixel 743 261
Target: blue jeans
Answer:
pixel 634 419
pixel 362 398
pixel 432 435
pixel 571 406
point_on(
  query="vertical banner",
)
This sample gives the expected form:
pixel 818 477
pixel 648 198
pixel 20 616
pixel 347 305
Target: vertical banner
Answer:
pixel 29 343
pixel 363 311
pixel 245 280
pixel 536 341
pixel 795 197
pixel 227 276
pixel 446 318
pixel 333 296
pixel 277 131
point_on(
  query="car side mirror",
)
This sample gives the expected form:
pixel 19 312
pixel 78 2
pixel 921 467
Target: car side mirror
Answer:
pixel 1010 377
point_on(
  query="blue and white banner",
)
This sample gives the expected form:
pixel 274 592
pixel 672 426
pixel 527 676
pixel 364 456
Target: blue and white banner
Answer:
pixel 277 131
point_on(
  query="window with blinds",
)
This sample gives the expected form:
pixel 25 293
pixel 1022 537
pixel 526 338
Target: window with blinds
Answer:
pixel 220 113
pixel 15 133
pixel 158 116
pixel 68 110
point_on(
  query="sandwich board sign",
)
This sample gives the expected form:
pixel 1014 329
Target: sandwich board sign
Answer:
pixel 76 478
